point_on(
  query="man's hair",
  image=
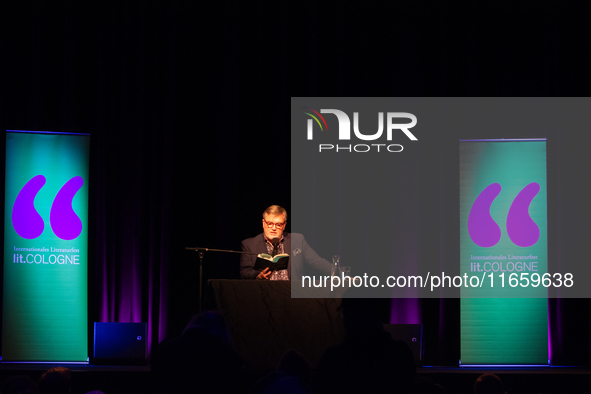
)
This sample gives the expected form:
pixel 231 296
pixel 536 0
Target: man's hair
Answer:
pixel 275 210
pixel 56 380
pixel 488 383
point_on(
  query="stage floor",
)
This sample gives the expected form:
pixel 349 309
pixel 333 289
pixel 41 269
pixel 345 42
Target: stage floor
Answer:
pixel 550 370
pixel 113 379
pixel 72 367
pixel 522 380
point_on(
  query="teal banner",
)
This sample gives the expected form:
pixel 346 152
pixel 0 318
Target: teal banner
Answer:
pixel 45 247
pixel 503 240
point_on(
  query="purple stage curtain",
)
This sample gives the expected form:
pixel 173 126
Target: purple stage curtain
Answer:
pixel 133 246
pixel 122 74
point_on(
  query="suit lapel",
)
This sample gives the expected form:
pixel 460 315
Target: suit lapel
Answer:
pixel 262 244
pixel 287 247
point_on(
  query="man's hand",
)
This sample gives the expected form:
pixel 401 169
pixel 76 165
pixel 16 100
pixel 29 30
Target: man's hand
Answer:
pixel 264 274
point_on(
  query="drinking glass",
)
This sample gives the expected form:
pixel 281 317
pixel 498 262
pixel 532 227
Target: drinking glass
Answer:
pixel 336 265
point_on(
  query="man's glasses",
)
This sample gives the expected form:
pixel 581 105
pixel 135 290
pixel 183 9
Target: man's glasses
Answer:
pixel 277 225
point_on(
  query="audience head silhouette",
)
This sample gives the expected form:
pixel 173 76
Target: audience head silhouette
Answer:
pixel 19 385
pixel 488 383
pixel 56 380
pixel 208 323
pixel 369 360
pixel 199 360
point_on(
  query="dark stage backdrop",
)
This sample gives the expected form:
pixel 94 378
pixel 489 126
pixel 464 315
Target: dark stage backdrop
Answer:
pixel 187 107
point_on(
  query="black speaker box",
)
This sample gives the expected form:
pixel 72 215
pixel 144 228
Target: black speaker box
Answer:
pixel 412 335
pixel 120 343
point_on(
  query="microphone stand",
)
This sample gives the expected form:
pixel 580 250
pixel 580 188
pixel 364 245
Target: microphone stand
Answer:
pixel 201 252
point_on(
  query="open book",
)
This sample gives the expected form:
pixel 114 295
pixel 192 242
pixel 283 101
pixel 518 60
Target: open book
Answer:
pixel 279 262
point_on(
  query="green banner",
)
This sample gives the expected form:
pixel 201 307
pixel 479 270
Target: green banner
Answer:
pixel 503 240
pixel 45 247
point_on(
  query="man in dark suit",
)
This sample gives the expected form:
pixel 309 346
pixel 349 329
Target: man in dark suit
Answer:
pixel 274 221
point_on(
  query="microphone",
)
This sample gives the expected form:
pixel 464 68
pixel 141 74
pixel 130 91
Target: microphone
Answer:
pixel 275 243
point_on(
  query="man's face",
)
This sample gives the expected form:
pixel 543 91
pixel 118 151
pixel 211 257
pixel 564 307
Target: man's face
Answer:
pixel 273 225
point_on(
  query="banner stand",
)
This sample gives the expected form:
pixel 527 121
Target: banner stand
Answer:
pixel 503 236
pixel 45 248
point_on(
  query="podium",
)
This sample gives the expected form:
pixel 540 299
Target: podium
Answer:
pixel 264 321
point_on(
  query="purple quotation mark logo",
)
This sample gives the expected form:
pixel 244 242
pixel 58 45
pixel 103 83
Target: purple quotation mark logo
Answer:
pixel 64 222
pixel 522 230
pixel 483 230
pixel 25 219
